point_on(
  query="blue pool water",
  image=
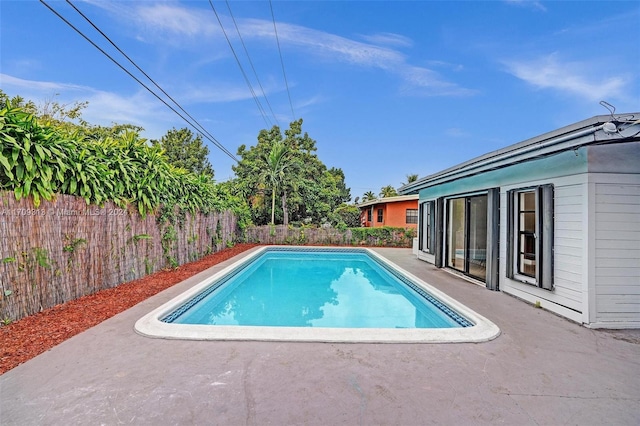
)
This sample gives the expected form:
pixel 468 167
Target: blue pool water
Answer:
pixel 315 288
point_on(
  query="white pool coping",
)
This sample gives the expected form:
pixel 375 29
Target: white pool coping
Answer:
pixel 150 325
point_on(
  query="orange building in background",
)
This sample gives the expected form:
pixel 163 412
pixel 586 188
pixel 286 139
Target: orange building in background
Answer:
pixel 399 212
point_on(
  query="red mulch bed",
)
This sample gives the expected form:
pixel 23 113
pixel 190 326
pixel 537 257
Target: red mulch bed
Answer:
pixel 24 339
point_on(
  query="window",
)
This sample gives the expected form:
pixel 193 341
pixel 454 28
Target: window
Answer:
pixel 467 235
pixel 526 240
pixel 369 215
pixel 380 215
pixel 412 216
pixel 530 229
pixel 428 232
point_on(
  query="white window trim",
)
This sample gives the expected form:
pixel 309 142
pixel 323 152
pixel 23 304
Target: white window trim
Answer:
pixel 544 236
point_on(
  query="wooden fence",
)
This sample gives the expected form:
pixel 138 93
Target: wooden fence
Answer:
pixel 65 249
pixel 280 234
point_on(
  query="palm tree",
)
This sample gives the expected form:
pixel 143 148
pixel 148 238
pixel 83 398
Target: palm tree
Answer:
pixel 274 174
pixel 388 191
pixel 411 178
pixel 368 196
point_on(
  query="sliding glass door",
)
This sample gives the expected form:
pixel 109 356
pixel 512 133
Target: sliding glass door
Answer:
pixel 456 246
pixel 477 253
pixel 467 235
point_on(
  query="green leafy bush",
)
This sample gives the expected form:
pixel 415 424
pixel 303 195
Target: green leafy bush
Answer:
pixel 41 161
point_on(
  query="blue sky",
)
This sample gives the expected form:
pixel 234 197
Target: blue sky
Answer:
pixel 386 88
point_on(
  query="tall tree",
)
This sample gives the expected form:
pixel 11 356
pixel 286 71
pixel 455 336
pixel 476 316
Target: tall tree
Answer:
pixel 274 173
pixel 368 196
pixel 186 151
pixel 249 173
pixel 309 192
pixel 315 190
pixel 348 215
pixel 388 191
pixel 411 178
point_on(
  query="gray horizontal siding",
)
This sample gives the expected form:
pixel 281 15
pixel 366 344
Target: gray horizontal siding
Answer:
pixel 621 223
pixel 606 254
pixel 626 260
pixel 568 244
pixel 568 259
pixel 617 308
pixel 620 245
pixel 617 257
pixel 628 290
pixel 572 298
pixel 620 208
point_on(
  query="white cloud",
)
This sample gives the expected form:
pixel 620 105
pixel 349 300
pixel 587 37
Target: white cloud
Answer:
pixel 324 44
pixel 456 132
pixel 176 20
pixel 533 4
pixel 138 108
pixel 37 86
pixel 341 49
pixel 575 78
pixel 388 39
pixel 447 65
pixel 215 93
pixel 425 82
pixel 167 21
pixel 104 108
pixel 198 27
pixel 310 101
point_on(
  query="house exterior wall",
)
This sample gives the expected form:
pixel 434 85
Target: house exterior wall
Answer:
pixel 569 294
pixel 393 214
pixel 568 297
pixel 614 269
pixel 596 237
pixel 617 252
pixel 396 214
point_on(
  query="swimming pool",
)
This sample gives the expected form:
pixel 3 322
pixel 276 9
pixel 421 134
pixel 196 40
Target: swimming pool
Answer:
pixel 329 294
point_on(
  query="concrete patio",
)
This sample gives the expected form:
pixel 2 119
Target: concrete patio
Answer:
pixel 542 370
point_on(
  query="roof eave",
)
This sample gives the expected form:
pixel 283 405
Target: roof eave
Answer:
pixel 395 199
pixel 562 135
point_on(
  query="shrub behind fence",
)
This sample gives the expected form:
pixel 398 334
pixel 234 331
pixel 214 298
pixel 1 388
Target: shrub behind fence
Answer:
pixel 281 234
pixel 65 249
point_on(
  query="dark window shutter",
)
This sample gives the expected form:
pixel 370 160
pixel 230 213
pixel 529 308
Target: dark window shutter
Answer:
pixel 493 238
pixel 421 226
pixel 510 232
pixel 439 232
pixel 545 277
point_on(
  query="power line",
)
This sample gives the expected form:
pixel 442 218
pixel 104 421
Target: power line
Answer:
pixel 207 135
pixel 251 63
pixel 281 60
pixel 246 79
pixel 201 128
